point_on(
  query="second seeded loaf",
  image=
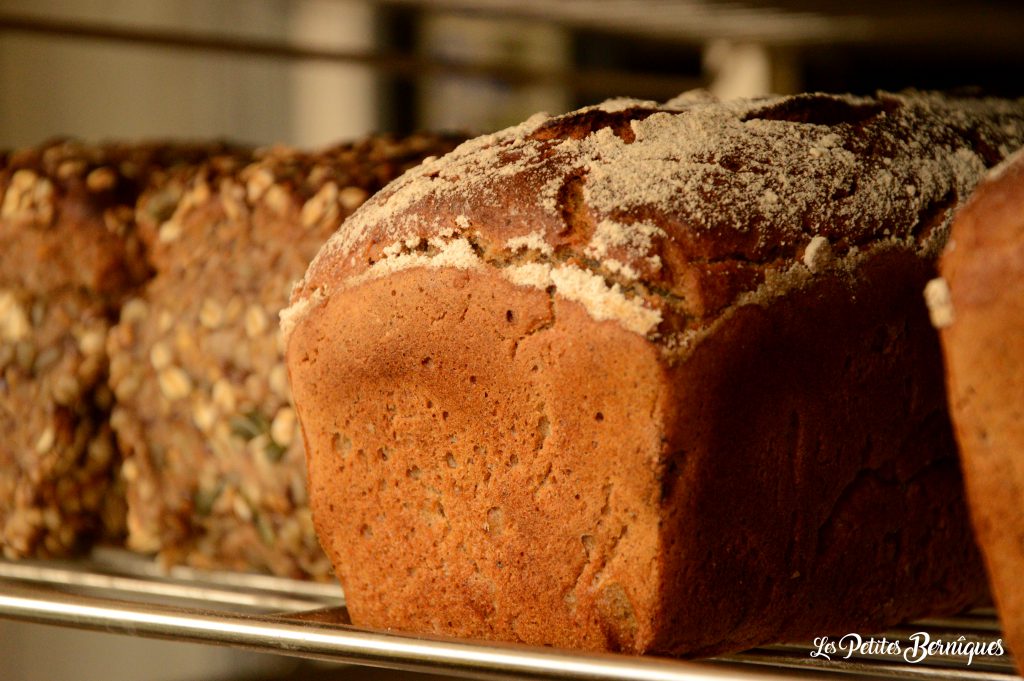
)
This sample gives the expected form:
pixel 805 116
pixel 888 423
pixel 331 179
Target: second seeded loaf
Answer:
pixel 69 255
pixel 648 377
pixel 214 465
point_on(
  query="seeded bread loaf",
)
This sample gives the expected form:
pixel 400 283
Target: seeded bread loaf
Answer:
pixel 214 464
pixel 979 304
pixel 648 377
pixel 69 254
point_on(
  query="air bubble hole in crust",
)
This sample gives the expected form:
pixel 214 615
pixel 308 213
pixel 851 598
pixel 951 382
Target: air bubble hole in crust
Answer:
pixel 341 444
pixel 543 431
pixel 818 109
pixel 579 125
pixel 588 543
pixel 495 521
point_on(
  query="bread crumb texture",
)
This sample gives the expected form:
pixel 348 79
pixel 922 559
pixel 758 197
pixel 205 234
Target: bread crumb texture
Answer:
pixel 751 198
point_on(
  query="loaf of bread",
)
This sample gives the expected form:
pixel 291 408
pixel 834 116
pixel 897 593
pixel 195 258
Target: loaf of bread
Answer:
pixel 139 291
pixel 214 464
pixel 69 254
pixel 648 377
pixel 979 305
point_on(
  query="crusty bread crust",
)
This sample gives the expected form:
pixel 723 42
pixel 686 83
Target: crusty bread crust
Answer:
pixel 663 216
pixel 648 377
pixel 983 341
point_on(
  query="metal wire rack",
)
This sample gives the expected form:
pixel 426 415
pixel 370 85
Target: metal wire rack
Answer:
pixel 121 593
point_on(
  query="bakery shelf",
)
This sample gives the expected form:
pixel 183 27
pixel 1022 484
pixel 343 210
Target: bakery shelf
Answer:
pixel 120 593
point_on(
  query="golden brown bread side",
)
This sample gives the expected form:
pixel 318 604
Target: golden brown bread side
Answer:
pixel 979 306
pixel 648 377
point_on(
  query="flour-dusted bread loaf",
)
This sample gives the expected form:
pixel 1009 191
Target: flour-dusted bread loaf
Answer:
pixel 214 466
pixel 979 305
pixel 69 254
pixel 648 377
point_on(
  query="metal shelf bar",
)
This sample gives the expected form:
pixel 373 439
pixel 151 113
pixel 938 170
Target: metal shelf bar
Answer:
pixel 123 593
pixel 338 643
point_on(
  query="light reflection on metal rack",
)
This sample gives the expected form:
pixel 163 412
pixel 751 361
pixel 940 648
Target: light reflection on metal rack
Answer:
pixel 121 593
pixel 149 589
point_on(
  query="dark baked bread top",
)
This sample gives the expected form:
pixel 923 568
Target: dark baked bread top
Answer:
pixel 662 216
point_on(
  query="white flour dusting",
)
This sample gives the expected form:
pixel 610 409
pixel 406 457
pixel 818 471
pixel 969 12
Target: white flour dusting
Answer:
pixel 758 181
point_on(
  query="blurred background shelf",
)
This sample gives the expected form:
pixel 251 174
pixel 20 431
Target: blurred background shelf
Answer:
pixel 309 72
